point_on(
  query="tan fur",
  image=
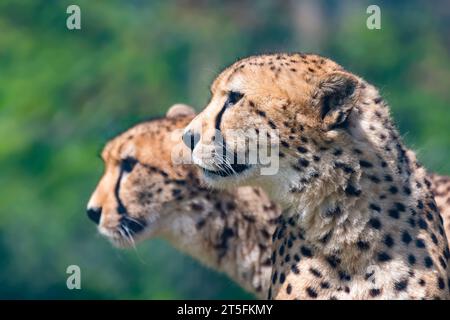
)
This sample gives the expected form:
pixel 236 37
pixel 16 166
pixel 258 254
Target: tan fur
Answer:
pixel 250 272
pixel 228 231
pixel 246 266
pixel 440 185
pixel 360 221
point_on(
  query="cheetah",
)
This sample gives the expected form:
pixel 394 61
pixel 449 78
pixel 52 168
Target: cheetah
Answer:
pixel 359 220
pixel 143 194
pixel 251 208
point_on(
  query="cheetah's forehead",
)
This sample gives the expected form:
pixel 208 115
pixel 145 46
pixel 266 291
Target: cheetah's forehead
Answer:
pixel 287 68
pixel 146 135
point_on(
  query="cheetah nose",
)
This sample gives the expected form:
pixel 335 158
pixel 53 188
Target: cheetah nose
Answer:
pixel 191 139
pixel 94 214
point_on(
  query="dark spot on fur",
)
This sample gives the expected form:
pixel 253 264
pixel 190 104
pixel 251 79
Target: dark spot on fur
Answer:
pixel 343 276
pixel 302 149
pixel 383 257
pixel 272 125
pixel 401 285
pixel 346 168
pixel 393 213
pixel 393 189
pixel 375 223
pixel 352 191
pixel 295 269
pixel 422 224
pixel 374 292
pixel 307 252
pixel 303 162
pixel 289 289
pixel 420 243
pixel 406 237
pixel 441 283
pixel 261 113
pixel 311 292
pixel 316 273
pixel 333 261
pixel 282 278
pixel 388 241
pixel 363 245
pixel 374 207
pixel 428 262
pixel 365 164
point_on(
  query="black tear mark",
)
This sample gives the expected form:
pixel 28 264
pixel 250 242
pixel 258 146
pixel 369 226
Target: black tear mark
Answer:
pixel 121 209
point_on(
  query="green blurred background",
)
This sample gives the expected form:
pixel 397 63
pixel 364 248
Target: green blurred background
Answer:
pixel 64 93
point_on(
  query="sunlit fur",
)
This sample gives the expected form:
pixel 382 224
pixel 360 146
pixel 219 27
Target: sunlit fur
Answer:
pixel 228 231
pixel 254 203
pixel 352 197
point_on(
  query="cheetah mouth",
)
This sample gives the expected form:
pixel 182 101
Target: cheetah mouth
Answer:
pixel 132 226
pixel 234 170
pixel 127 232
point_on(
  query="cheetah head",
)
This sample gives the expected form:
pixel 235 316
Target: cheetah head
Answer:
pixel 139 193
pixel 297 105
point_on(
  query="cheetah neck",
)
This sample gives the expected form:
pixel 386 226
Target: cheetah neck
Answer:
pixel 337 205
pixel 229 232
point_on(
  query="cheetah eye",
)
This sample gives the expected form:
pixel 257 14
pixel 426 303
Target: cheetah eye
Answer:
pixel 127 164
pixel 233 98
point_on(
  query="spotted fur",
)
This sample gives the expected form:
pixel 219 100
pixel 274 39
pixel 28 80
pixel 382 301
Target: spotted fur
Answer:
pixel 252 208
pixel 359 220
pixel 228 231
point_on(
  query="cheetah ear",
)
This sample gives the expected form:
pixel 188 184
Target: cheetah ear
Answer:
pixel 337 94
pixel 180 109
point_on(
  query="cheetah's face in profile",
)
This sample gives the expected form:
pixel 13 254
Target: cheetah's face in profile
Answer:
pixel 140 188
pixel 287 104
